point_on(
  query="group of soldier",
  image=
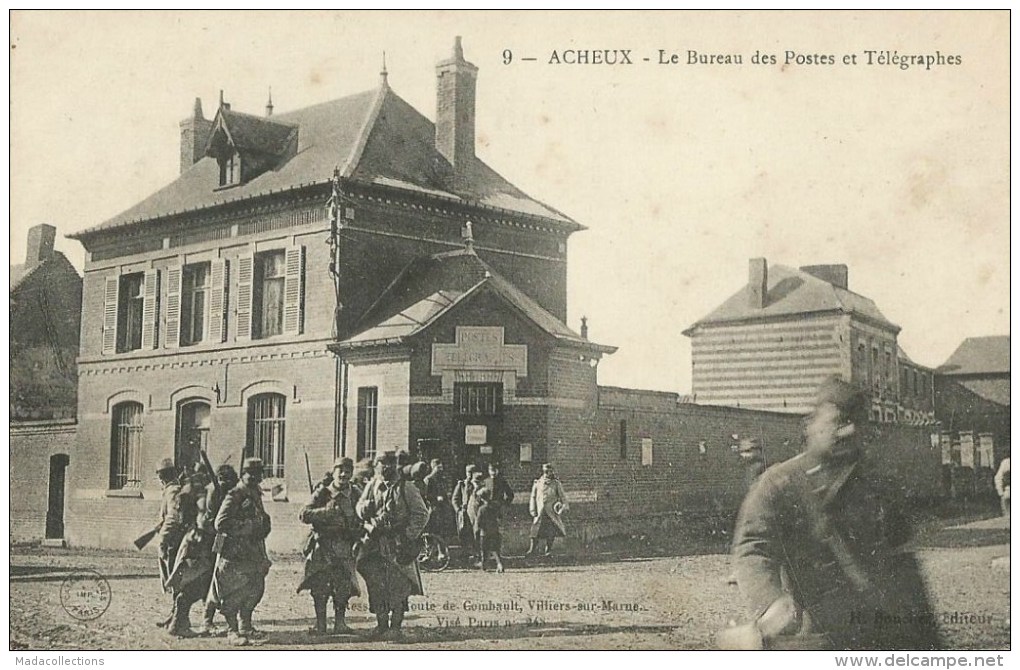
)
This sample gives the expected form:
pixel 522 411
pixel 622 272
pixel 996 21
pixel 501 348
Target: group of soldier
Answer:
pixel 364 520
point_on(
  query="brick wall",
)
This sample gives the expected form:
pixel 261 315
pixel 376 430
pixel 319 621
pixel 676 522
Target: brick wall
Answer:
pixel 32 444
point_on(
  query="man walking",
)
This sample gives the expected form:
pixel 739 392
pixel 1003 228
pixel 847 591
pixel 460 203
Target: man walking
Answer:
pixel 242 526
pixel 173 524
pixel 547 505
pixel 329 564
pixel 818 548
pixel 394 516
pixel 463 493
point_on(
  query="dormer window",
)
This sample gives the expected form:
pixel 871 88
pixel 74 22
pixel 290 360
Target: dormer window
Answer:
pixel 230 170
pixel 247 146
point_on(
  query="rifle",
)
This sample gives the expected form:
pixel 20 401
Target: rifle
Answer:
pixel 146 538
pixel 308 472
pixel 212 473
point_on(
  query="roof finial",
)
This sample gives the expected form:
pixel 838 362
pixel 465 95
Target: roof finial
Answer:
pixel 269 105
pixel 384 74
pixel 458 50
pixel 467 236
pixel 221 97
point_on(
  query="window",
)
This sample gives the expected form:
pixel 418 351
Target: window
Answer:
pixel 126 446
pixel 876 376
pixel 266 417
pixel 368 417
pixel 230 170
pixel 192 433
pixel 623 439
pixel 194 298
pixel 477 399
pixel 268 294
pixel 129 312
pixel 646 451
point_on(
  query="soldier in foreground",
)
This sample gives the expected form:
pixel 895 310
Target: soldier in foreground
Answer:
pixel 173 524
pixel 817 548
pixel 226 479
pixel 189 579
pixel 329 564
pixel 394 516
pixel 239 580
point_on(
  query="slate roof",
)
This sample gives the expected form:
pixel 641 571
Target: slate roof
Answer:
pixel 979 355
pixel 375 137
pixel 792 292
pixel 257 133
pixel 431 286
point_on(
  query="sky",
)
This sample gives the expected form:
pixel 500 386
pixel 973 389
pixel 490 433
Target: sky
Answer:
pixel 681 172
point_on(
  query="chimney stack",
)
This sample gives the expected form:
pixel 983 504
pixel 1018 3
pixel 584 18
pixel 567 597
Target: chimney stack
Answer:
pixel 758 281
pixel 455 109
pixel 837 275
pixel 40 244
pixel 194 136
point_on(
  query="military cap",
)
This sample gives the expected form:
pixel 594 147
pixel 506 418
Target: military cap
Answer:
pixel 387 458
pixel 547 467
pixel 166 464
pixel 851 401
pixel 226 470
pixel 343 462
pixel 252 464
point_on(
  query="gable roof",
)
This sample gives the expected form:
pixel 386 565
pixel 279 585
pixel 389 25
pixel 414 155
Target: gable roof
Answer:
pixel 979 355
pixel 21 273
pixel 793 292
pixel 430 286
pixel 375 137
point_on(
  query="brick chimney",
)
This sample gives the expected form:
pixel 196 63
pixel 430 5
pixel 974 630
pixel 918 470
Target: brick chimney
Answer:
pixel 758 281
pixel 194 136
pixel 455 109
pixel 837 275
pixel 40 244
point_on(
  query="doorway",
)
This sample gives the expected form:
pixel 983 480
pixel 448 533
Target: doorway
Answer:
pixel 55 506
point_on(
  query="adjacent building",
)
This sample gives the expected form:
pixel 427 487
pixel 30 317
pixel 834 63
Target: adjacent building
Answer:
pixel 45 307
pixel 771 344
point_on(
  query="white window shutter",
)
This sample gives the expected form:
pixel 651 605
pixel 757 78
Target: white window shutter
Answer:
pixel 173 306
pixel 245 278
pixel 217 317
pixel 294 291
pixel 150 309
pixel 110 315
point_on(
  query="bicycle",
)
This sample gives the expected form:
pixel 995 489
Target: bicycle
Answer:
pixel 434 554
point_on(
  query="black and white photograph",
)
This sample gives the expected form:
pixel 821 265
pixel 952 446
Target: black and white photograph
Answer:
pixel 516 330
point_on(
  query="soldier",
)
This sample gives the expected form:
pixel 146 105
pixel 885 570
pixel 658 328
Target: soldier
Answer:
pixel 547 505
pixel 463 492
pixel 329 565
pixel 239 580
pixel 442 520
pixel 192 568
pixel 394 516
pixel 817 549
pixel 173 524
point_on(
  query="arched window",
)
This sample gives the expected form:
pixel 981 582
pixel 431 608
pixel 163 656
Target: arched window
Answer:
pixel 192 432
pixel 126 446
pixel 266 435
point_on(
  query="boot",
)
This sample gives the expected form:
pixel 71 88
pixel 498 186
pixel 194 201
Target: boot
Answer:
pixel 340 626
pixel 247 629
pixel 499 564
pixel 180 625
pixel 382 626
pixel 320 617
pixel 208 628
pixel 548 547
pixel 234 637
pixel 531 548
